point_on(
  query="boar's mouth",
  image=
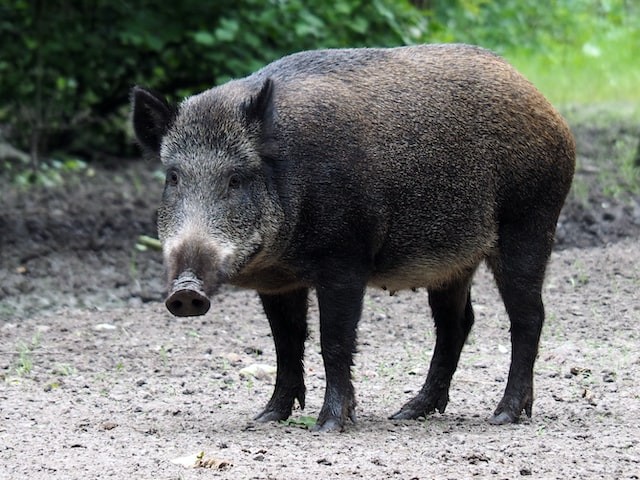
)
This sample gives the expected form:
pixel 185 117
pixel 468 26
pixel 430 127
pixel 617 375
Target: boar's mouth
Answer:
pixel 187 297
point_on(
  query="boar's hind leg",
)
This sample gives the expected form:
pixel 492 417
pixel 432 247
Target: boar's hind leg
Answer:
pixel 518 267
pixel 453 318
pixel 287 314
pixel 340 310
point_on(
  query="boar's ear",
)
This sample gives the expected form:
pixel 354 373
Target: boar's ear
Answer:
pixel 152 117
pixel 255 108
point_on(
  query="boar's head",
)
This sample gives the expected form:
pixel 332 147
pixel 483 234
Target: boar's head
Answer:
pixel 219 208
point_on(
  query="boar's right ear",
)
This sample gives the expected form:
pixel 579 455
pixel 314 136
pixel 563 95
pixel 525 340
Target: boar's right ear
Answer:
pixel 256 107
pixel 152 117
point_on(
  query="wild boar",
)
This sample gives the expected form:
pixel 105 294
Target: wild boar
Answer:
pixel 335 170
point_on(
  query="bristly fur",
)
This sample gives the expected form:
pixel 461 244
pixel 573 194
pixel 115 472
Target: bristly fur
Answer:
pixel 337 169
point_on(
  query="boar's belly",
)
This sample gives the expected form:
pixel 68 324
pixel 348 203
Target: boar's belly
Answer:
pixel 427 272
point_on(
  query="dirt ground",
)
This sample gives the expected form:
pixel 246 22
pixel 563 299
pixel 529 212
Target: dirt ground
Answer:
pixel 98 380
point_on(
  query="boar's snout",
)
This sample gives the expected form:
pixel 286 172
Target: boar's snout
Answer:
pixel 187 303
pixel 187 297
pixel 195 268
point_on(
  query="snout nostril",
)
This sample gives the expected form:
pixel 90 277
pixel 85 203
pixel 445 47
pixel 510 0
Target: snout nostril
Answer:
pixel 176 306
pixel 187 302
pixel 197 304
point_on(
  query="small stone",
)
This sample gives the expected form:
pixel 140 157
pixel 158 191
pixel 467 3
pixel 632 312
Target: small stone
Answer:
pixel 108 425
pixel 232 357
pixel 588 219
pixel 253 351
pixel 580 370
pixel 259 371
pixel 104 326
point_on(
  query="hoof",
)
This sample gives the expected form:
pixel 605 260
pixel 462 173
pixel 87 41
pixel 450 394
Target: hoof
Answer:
pixel 330 425
pixel 502 418
pixel 271 416
pixel 509 411
pixel 421 406
pixel 407 414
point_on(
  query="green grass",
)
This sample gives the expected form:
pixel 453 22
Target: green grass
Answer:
pixel 602 70
pixel 596 84
pixel 24 364
pixel 64 370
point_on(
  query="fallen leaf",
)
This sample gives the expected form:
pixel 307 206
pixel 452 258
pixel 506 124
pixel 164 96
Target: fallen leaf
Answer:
pixel 214 463
pixel 199 460
pixel 300 422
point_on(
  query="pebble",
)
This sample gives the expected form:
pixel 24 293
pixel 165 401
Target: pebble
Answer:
pixel 104 326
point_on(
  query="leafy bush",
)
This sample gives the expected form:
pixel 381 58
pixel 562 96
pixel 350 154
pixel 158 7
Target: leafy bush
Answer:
pixel 533 26
pixel 66 68
pixel 575 51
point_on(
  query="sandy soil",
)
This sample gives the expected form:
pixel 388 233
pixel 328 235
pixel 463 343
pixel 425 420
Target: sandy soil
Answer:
pixel 98 380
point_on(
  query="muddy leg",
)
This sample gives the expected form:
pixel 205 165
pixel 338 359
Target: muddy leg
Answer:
pixel 519 272
pixel 453 317
pixel 287 314
pixel 340 310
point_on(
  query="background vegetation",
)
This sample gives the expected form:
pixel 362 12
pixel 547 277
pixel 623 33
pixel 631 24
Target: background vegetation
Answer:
pixel 66 67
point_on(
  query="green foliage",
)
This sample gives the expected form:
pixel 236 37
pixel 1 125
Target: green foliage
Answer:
pixel 48 173
pixel 24 364
pixel 533 26
pixel 603 69
pixel 304 422
pixel 66 68
pixel 575 51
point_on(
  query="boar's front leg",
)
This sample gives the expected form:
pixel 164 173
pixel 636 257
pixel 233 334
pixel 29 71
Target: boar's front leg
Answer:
pixel 340 310
pixel 287 314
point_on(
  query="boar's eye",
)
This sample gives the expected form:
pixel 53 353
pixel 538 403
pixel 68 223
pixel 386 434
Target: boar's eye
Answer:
pixel 172 177
pixel 234 182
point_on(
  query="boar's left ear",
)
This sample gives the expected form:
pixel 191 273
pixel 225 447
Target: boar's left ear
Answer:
pixel 255 108
pixel 152 117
